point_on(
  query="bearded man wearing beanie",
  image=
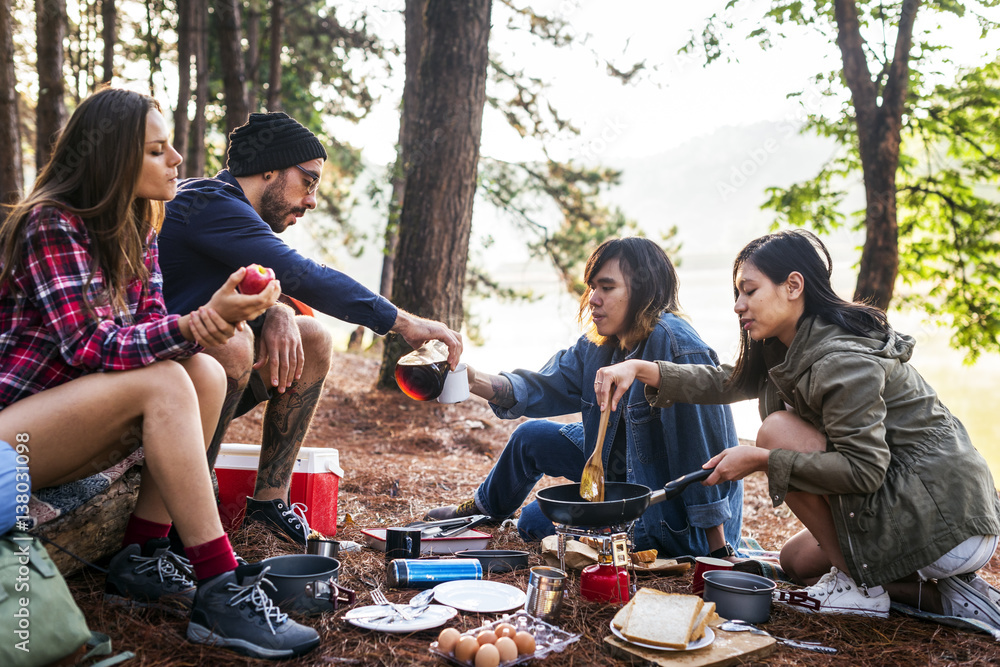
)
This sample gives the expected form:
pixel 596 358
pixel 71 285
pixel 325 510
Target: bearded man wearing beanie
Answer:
pixel 216 225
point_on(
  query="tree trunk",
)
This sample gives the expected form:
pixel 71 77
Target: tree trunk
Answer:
pixel 441 179
pixel 50 115
pixel 11 175
pixel 196 141
pixel 109 35
pixel 252 60
pixel 879 127
pixel 274 61
pixel 230 34
pixel 95 529
pixel 415 12
pixel 185 39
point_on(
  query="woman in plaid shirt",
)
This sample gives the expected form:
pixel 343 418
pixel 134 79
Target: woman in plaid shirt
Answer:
pixel 91 366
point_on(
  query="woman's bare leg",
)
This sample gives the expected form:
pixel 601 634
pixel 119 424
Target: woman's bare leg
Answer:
pixel 81 427
pixel 811 553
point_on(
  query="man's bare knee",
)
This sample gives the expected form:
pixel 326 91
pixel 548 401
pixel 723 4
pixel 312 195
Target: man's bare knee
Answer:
pixel 317 343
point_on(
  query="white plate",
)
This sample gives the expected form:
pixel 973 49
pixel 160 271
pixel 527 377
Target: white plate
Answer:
pixel 484 597
pixel 707 639
pixel 434 616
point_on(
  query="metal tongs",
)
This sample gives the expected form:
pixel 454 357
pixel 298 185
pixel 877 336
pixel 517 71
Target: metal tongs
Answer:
pixel 448 527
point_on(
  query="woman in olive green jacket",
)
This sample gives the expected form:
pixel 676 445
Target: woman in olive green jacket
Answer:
pixel 885 480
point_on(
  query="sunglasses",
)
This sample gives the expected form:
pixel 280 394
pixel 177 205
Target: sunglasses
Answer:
pixel 313 185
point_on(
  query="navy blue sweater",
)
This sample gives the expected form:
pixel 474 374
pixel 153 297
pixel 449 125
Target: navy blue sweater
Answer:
pixel 211 230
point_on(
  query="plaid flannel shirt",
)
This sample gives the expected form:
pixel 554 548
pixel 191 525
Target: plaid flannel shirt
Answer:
pixel 47 336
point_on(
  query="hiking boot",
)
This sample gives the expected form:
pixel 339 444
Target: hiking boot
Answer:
pixel 459 511
pixel 150 576
pixel 963 599
pixel 232 610
pixel 836 593
pixel 287 521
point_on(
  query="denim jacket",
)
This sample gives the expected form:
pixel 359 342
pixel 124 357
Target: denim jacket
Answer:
pixel 661 443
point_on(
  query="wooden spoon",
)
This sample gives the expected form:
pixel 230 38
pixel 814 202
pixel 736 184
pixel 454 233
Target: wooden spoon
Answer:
pixel 592 480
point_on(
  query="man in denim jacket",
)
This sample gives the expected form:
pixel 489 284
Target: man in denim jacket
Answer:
pixel 629 309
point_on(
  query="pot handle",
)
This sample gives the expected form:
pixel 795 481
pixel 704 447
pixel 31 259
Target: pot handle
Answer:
pixel 330 591
pixel 796 599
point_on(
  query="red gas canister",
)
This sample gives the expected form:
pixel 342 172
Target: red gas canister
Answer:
pixel 604 583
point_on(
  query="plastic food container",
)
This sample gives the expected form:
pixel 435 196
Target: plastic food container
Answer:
pixel 548 638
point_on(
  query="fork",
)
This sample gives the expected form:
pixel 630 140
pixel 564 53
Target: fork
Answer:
pixel 378 597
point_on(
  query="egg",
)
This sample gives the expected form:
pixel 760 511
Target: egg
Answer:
pixel 486 637
pixel 466 648
pixel 488 656
pixel 505 630
pixel 525 642
pixel 507 649
pixel 447 639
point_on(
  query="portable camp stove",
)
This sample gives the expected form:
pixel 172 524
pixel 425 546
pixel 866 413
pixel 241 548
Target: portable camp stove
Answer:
pixel 610 578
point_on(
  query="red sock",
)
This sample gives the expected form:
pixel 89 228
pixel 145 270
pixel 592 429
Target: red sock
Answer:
pixel 139 531
pixel 211 558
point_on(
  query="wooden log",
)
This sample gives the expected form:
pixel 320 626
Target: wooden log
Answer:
pixel 95 529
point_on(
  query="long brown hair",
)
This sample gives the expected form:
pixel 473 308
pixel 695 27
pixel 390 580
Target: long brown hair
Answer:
pixel 652 284
pixel 93 173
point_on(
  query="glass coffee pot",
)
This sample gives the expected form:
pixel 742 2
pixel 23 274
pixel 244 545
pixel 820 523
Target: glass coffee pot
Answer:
pixel 421 373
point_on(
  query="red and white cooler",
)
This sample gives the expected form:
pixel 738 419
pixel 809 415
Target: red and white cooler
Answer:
pixel 315 482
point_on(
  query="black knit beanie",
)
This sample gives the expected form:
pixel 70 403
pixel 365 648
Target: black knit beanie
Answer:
pixel 270 141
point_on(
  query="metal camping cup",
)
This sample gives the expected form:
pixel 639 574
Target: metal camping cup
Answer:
pixel 401 543
pixel 330 548
pixel 545 592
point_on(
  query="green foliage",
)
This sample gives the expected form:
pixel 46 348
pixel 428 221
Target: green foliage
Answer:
pixel 534 194
pixel 948 206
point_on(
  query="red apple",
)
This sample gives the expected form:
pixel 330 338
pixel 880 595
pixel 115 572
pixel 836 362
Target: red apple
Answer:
pixel 256 279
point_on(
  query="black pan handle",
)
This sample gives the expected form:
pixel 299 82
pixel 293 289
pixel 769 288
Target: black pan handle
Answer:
pixel 675 487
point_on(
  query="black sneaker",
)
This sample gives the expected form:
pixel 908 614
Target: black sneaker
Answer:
pixel 287 521
pixel 232 610
pixel 150 576
pixel 461 510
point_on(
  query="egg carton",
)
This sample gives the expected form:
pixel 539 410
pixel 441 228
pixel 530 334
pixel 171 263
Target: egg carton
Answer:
pixel 548 638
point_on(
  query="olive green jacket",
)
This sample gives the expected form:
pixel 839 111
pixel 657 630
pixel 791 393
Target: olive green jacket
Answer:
pixel 905 483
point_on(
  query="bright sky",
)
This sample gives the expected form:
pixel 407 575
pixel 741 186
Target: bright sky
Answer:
pixel 678 100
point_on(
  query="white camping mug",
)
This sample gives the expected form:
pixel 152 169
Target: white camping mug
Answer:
pixel 456 385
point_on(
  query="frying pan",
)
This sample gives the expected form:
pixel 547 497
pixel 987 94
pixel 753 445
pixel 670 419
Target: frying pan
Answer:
pixel 622 503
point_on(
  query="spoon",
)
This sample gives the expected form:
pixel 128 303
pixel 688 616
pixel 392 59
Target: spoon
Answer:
pixel 736 625
pixel 592 479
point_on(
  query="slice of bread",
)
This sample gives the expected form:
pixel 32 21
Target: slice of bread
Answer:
pixel 621 618
pixel 647 556
pixel 662 619
pixel 698 631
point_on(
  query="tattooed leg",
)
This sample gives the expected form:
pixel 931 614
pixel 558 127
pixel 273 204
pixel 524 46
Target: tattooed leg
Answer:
pixel 287 416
